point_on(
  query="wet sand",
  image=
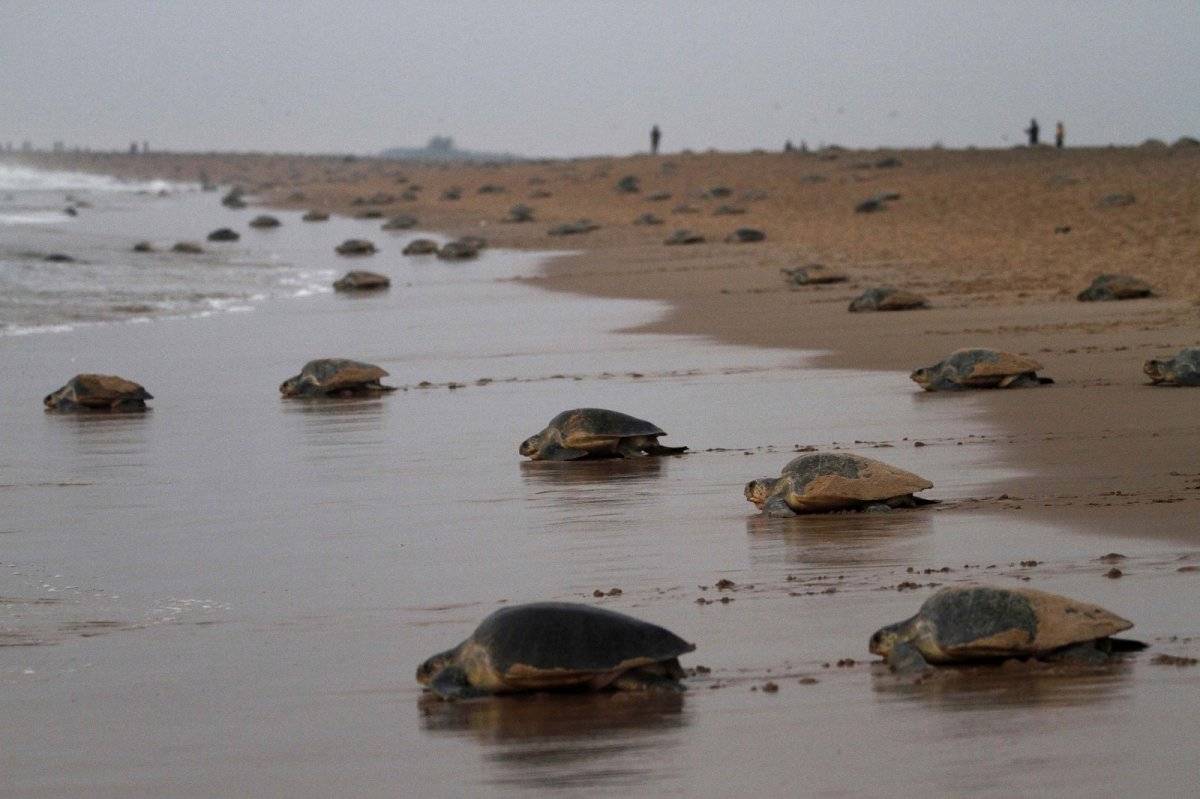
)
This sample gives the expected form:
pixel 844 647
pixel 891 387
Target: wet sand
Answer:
pixel 243 586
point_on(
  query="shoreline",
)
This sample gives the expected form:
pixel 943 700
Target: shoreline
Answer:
pixel 973 230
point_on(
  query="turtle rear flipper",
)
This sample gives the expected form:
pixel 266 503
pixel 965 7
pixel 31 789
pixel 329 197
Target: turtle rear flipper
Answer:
pixel 654 448
pixel 452 683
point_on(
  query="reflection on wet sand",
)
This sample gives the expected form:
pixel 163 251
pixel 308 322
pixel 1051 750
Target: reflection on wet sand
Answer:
pixel 987 688
pixel 841 539
pixel 101 434
pixel 566 740
pixel 599 474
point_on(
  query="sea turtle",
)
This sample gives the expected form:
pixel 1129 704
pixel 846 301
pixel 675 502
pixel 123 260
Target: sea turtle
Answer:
pixel 420 247
pixel 595 433
pixel 355 247
pixel 745 235
pixel 981 623
pixel 458 250
pixel 519 213
pixel 684 236
pixel 264 221
pixel 187 248
pixel 335 377
pixel 573 228
pixel 1115 287
pixel 886 298
pixel 224 234
pixel 980 368
pixel 315 216
pixel 812 274
pixel 98 393
pixel 557 645
pixel 1182 370
pixel 401 222
pixel 821 482
pixel 648 219
pixel 143 246
pixel 361 280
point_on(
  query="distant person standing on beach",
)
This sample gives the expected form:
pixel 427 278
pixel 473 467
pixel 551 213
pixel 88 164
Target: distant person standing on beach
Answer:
pixel 1032 130
pixel 1060 134
pixel 655 137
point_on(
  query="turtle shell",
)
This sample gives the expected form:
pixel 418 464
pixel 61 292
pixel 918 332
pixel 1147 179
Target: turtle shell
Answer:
pixel 1115 287
pixel 982 367
pixel 821 481
pixel 1182 370
pixel 582 426
pixel 538 644
pixel 331 375
pixel 96 391
pixel 983 622
pixel 887 298
pixel 361 280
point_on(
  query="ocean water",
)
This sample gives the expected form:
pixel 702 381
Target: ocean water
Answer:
pixel 106 281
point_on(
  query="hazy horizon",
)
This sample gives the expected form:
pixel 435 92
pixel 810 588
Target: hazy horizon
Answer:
pixel 552 80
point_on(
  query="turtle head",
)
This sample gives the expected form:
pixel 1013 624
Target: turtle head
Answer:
pixel 923 377
pixel 530 446
pixel 290 387
pixel 432 667
pixel 886 638
pixel 1155 370
pixel 757 491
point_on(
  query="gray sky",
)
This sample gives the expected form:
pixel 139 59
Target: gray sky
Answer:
pixel 572 78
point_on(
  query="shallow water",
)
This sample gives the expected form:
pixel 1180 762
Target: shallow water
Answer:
pixel 228 595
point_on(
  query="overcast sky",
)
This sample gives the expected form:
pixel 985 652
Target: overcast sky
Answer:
pixel 572 78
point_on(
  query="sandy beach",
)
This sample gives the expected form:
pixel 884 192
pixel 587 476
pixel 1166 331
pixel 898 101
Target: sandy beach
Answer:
pixel 243 586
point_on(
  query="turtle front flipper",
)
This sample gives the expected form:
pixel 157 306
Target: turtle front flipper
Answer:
pixel 551 451
pixel 905 658
pixel 777 506
pixel 452 683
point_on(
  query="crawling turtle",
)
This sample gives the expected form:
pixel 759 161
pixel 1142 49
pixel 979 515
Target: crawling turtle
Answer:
pixel 886 298
pixel 265 221
pixel 980 368
pixel 595 433
pixel 335 377
pixel 224 234
pixel 361 280
pixel 98 393
pixel 573 228
pixel 355 247
pixel 812 274
pixel 1115 287
pixel 1182 370
pixel 821 482
pixel 458 250
pixel 981 623
pixel 684 236
pixel 401 222
pixel 557 645
pixel 745 235
pixel 420 247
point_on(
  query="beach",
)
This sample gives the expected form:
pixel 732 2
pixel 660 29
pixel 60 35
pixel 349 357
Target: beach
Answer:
pixel 243 586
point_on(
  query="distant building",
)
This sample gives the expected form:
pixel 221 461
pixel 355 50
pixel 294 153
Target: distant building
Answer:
pixel 441 148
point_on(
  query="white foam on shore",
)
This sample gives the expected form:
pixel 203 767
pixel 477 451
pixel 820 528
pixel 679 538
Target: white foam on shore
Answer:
pixel 43 218
pixel 20 178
